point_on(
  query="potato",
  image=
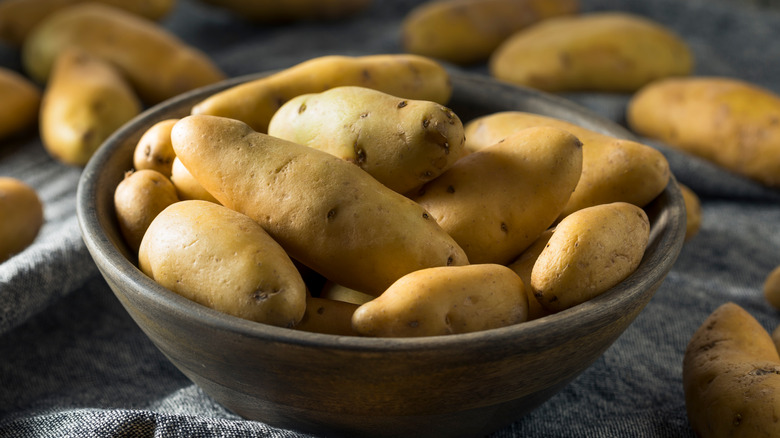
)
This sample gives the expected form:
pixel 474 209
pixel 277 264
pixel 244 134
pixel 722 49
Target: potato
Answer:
pixel 138 199
pixel 403 143
pixel 402 75
pixel 156 63
pixel 445 300
pixel 772 288
pixel 776 337
pixel 590 251
pixel 612 169
pixel 692 212
pixel 21 100
pixel 497 201
pixel 21 216
pixel 19 17
pixel 731 377
pixel 327 213
pixel 599 51
pixel 729 122
pixel 523 265
pixel 154 150
pixel 86 100
pixel 224 260
pixel 467 31
pixel 286 11
pixel 337 292
pixel 328 317
pixel 187 187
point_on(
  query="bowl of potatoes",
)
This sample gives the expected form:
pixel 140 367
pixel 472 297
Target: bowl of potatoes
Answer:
pixel 381 246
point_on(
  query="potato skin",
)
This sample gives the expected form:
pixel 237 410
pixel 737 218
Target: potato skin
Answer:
pixel 187 187
pixel 280 12
pixel 729 122
pixel 497 201
pixel 467 31
pixel 731 377
pixel 138 199
pixel 445 300
pixel 85 101
pixel 523 265
pixel 604 51
pixel 21 216
pixel 19 17
pixel 224 260
pixel 613 169
pixel 692 212
pixel 403 143
pixel 590 251
pixel 154 150
pixel 157 64
pixel 402 75
pixel 327 316
pixel 771 288
pixel 327 213
pixel 21 101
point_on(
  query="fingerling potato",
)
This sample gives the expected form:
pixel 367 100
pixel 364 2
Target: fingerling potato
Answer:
pixel 138 199
pixel 21 216
pixel 21 101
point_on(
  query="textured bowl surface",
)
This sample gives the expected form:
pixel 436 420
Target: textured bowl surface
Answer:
pixel 457 385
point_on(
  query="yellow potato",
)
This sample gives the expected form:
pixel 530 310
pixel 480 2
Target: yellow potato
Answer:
pixel 21 100
pixel 19 17
pixel 776 338
pixel 327 213
pixel 467 31
pixel 523 265
pixel 729 122
pixel 154 150
pixel 224 260
pixel 21 216
pixel 692 212
pixel 328 317
pixel 772 288
pixel 731 377
pixel 612 169
pixel 497 201
pixel 403 143
pixel 138 199
pixel 187 187
pixel 337 292
pixel 402 75
pixel 599 51
pixel 156 63
pixel 445 300
pixel 86 100
pixel 285 11
pixel 590 251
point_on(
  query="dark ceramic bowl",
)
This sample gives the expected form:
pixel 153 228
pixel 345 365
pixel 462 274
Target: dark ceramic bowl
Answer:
pixel 456 385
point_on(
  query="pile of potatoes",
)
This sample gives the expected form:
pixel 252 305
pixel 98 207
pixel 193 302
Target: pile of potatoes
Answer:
pixel 342 196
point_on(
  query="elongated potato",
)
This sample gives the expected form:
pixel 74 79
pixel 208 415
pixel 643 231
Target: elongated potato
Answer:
pixel 402 75
pixel 612 169
pixel 154 150
pixel 445 300
pixel 729 122
pixel 497 201
pixel 156 63
pixel 21 100
pixel 403 143
pixel 86 100
pixel 523 265
pixel 467 31
pixel 224 260
pixel 279 12
pixel 731 377
pixel 21 216
pixel 138 199
pixel 327 213
pixel 328 317
pixel 590 251
pixel 187 187
pixel 19 17
pixel 599 51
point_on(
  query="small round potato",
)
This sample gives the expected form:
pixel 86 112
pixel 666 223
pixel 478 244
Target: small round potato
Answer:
pixel 772 288
pixel 590 251
pixel 445 300
pixel 692 212
pixel 154 150
pixel 138 199
pixel 224 260
pixel 21 216
pixel 186 185
pixel 21 100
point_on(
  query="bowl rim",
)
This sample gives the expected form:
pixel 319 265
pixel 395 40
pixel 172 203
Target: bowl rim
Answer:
pixel 652 270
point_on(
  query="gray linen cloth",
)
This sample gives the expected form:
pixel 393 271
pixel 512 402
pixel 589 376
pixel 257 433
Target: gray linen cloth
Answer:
pixel 73 364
